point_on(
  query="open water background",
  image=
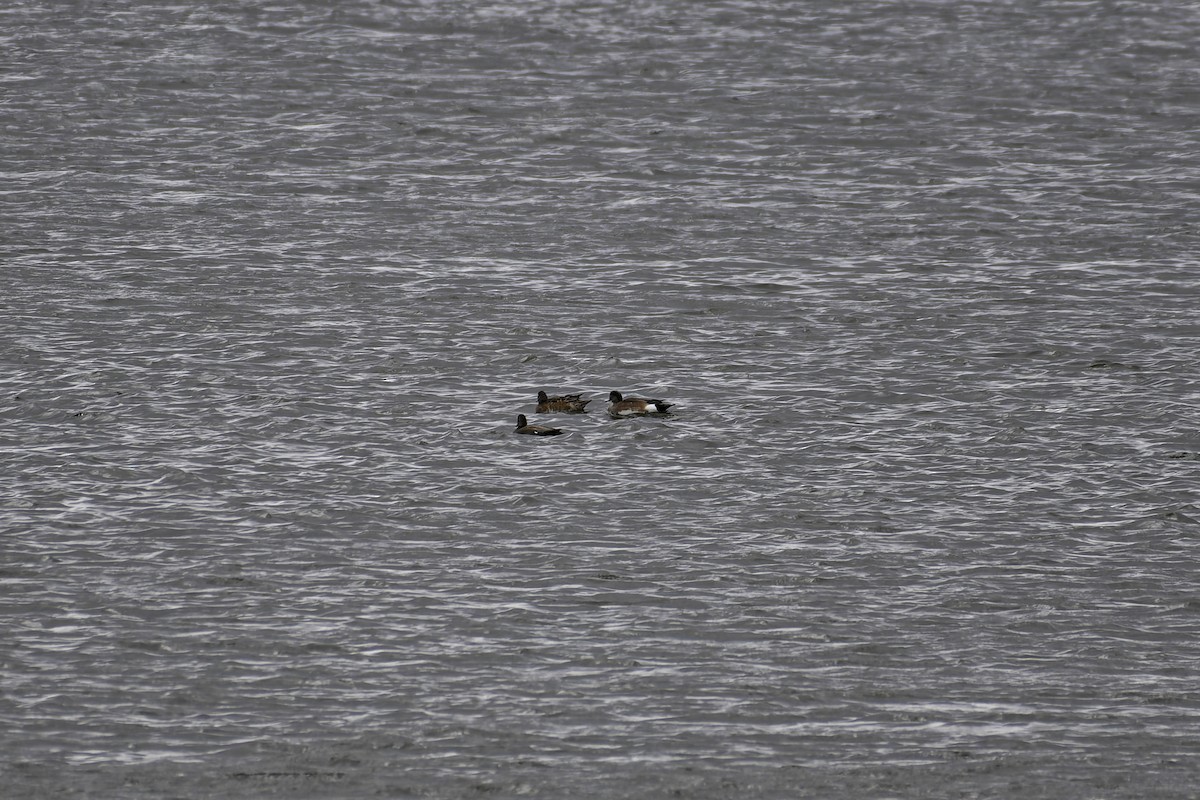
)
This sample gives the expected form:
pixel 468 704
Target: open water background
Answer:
pixel 921 278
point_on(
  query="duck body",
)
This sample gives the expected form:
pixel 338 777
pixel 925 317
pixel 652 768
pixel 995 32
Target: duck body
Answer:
pixel 523 426
pixel 564 404
pixel 619 406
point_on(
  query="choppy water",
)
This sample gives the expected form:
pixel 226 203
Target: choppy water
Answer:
pixel 921 279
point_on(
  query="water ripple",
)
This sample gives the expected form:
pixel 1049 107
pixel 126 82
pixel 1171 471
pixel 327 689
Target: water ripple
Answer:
pixel 281 278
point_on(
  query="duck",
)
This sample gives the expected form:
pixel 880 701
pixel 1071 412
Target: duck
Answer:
pixel 566 403
pixel 523 426
pixel 619 406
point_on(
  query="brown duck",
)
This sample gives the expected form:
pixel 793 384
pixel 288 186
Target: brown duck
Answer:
pixel 564 404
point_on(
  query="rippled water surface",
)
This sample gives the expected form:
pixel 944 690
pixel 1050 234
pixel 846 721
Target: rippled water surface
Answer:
pixel 921 279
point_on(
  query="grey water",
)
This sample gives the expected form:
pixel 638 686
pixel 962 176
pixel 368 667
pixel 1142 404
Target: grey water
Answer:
pixel 921 279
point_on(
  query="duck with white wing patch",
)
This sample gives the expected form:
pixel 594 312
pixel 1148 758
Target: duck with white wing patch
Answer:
pixel 619 406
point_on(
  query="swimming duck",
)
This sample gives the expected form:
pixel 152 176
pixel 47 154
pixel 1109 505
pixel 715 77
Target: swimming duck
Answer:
pixel 523 426
pixel 634 406
pixel 566 403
